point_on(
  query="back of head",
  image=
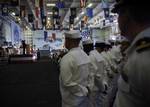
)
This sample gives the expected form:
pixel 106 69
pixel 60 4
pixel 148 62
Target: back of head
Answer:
pixel 100 44
pixel 72 39
pixel 88 45
pixel 138 10
pixel 73 34
pixel 108 45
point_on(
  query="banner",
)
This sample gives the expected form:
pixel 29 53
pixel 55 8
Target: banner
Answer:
pixel 16 34
pixel 60 4
pixel 4 9
pixel 37 12
pixel 73 12
pixel 111 18
pixel 44 20
pixel 104 23
pixel 41 3
pixel 104 4
pixel 30 18
pixel 58 20
pixel 82 24
pixel 54 36
pixel 36 24
pixel 89 12
pixel 71 20
pixel 85 19
pixel 86 34
pixel 33 26
pixel 42 12
pixel 22 11
pixel 45 35
pixel 82 3
pixel 55 12
pixel 106 12
pixel 36 3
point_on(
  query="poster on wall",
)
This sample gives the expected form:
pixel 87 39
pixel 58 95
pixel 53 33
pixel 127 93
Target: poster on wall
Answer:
pixel 2 38
pixel 1 28
pixel 7 31
pixel 16 33
pixel 54 39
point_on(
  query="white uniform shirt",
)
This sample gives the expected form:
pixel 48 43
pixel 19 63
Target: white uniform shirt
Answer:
pixel 99 64
pixel 74 76
pixel 108 63
pixel 116 53
pixel 134 83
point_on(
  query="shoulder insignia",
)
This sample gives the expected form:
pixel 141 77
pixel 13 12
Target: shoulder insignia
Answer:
pixel 143 44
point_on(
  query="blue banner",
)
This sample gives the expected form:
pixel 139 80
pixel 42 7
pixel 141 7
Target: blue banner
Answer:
pixel 104 4
pixel 45 35
pixel 60 4
pixel 42 12
pixel 89 12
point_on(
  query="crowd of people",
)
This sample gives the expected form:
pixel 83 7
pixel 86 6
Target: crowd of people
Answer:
pixel 88 76
pixel 104 73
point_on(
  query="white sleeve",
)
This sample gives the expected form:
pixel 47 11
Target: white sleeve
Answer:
pixel 93 61
pixel 66 67
pixel 143 68
pixel 65 71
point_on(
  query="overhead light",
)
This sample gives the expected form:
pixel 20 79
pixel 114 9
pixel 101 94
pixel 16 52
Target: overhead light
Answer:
pixel 82 13
pixel 77 18
pixel 48 21
pixel 90 5
pixel 48 18
pixel 13 13
pixel 71 27
pixel 18 19
pixel 50 13
pixel 50 4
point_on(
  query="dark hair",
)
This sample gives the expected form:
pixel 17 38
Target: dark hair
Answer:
pixel 87 48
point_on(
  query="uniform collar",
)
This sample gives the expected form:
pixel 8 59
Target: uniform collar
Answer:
pixel 144 33
pixel 76 48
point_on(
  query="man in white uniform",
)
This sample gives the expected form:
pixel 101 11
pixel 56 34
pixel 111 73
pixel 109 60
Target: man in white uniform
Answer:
pixel 74 73
pixel 101 75
pixel 97 74
pixel 134 83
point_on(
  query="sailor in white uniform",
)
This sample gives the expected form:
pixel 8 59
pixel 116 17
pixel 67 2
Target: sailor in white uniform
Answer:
pixel 74 73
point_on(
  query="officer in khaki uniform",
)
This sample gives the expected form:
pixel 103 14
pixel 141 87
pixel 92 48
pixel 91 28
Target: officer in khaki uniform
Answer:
pixel 134 82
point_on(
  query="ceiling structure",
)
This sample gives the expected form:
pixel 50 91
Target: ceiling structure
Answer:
pixel 81 12
pixel 64 12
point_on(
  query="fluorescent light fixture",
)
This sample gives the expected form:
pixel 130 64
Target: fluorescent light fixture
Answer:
pixel 82 13
pixel 50 4
pixel 113 37
pixel 50 13
pixel 18 19
pixel 90 5
pixel 77 18
pixel 13 13
pixel 48 18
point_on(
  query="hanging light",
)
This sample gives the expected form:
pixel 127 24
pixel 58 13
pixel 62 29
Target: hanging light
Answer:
pixel 90 5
